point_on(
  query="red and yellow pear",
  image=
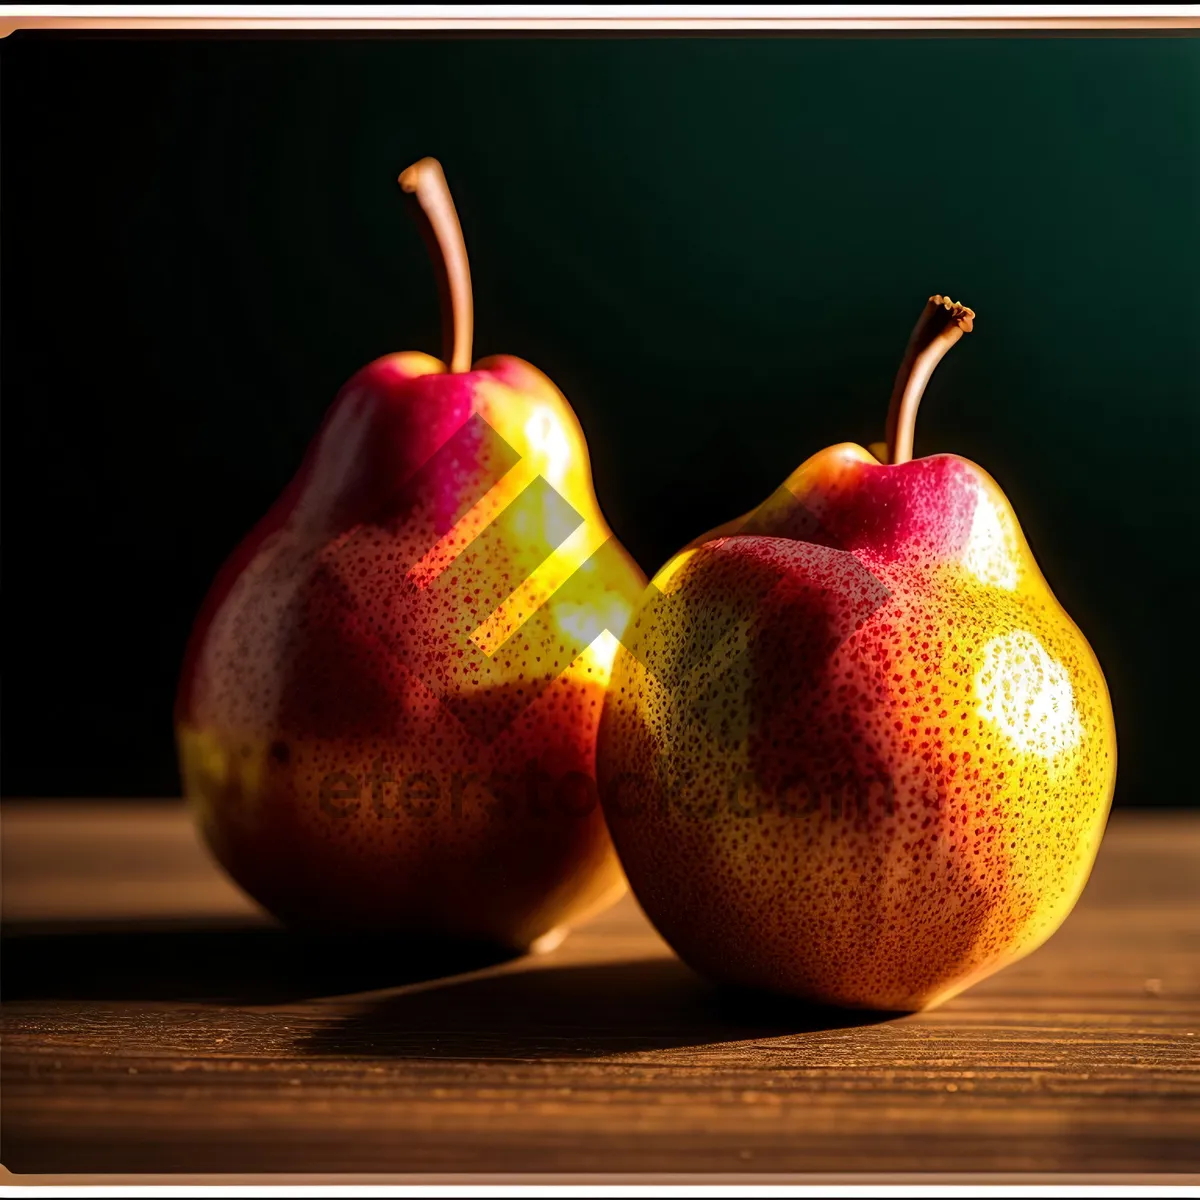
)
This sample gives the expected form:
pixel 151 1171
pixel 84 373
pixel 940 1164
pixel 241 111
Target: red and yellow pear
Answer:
pixel 853 749
pixel 388 709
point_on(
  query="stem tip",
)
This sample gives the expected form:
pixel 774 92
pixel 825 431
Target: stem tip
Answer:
pixel 426 182
pixel 941 324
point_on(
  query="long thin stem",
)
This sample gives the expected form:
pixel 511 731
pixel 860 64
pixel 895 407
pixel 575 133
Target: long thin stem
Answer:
pixel 426 181
pixel 941 324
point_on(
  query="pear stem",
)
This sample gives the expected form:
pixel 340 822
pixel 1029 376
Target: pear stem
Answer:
pixel 941 324
pixel 426 181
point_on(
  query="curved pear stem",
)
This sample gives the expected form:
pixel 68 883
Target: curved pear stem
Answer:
pixel 941 325
pixel 426 181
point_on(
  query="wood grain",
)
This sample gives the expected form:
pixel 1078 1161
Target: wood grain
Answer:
pixel 153 1021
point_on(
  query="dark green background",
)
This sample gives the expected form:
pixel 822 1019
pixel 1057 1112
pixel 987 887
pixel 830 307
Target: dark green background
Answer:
pixel 716 247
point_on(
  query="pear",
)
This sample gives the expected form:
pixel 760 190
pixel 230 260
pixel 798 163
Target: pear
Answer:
pixel 853 749
pixel 387 713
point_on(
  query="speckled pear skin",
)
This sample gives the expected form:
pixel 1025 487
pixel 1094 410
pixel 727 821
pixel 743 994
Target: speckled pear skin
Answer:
pixel 857 752
pixel 355 761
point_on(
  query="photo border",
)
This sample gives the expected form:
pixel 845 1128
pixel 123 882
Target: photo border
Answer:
pixel 843 24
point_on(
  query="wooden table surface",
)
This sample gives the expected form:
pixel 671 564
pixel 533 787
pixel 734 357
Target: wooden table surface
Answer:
pixel 154 1022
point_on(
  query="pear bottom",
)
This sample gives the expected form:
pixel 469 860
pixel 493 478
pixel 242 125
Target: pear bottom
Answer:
pixel 869 789
pixel 501 842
